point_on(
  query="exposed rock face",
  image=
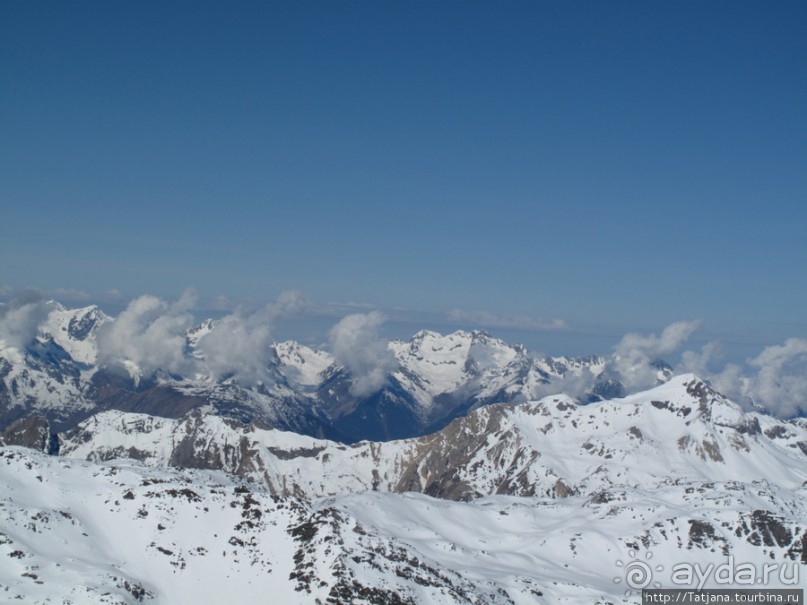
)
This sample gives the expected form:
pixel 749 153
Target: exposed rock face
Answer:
pixel 551 448
pixel 33 432
pixel 673 471
pixel 62 375
pixel 177 534
pixel 190 536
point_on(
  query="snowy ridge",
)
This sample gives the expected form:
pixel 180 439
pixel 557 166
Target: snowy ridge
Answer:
pixel 51 375
pixel 83 533
pixel 303 366
pixel 186 484
pixel 543 502
pixel 438 378
pixel 66 374
pixel 57 376
pixel 680 431
pixel 441 363
pixel 470 366
pixel 74 330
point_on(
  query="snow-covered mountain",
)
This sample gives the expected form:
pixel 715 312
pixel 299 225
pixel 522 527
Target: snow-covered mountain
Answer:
pixel 678 432
pixel 437 378
pixel 538 502
pixel 75 532
pixel 58 376
pixel 62 375
pixel 214 470
pixel 50 375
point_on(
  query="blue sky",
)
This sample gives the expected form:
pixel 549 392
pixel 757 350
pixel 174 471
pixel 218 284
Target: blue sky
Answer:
pixel 614 165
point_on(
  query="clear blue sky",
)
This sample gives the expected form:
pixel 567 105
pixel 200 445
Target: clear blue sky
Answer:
pixel 616 165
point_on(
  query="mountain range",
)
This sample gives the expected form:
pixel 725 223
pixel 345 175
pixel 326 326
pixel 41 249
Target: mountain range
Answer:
pixel 538 502
pixel 433 379
pixel 455 479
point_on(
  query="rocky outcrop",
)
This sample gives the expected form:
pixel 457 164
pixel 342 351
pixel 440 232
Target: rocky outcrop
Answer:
pixel 33 432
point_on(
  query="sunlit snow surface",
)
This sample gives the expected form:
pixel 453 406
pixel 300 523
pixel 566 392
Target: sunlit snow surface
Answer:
pixel 679 431
pixel 547 501
pixel 675 475
pixel 78 532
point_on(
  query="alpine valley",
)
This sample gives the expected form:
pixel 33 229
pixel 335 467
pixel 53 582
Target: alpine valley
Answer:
pixel 455 479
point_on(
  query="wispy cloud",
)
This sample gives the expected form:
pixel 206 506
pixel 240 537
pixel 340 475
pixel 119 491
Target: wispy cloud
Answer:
pixel 66 296
pixel 150 333
pixel 357 346
pixel 630 364
pixel 71 294
pixel 240 344
pixel 781 377
pixel 21 317
pixel 113 294
pixel 486 319
pixel 634 354
pixel 775 379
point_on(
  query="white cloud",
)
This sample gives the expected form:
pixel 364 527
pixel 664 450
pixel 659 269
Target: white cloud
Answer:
pixel 358 347
pixel 700 363
pixel 730 382
pixel 631 364
pixel 780 382
pixel 634 354
pixel 574 384
pixel 240 344
pixel 21 318
pixel 149 333
pixel 776 378
pixel 518 322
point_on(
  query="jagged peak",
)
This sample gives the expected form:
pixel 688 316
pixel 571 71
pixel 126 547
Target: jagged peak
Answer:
pixel 424 334
pixel 689 396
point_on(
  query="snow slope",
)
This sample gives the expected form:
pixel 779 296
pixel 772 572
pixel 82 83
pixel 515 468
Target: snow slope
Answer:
pixel 120 532
pixel 62 375
pixel 77 532
pixel 679 431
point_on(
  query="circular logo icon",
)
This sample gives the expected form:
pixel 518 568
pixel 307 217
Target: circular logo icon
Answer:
pixel 638 574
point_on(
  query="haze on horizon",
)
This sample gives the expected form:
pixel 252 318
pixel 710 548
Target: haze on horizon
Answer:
pixel 558 173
